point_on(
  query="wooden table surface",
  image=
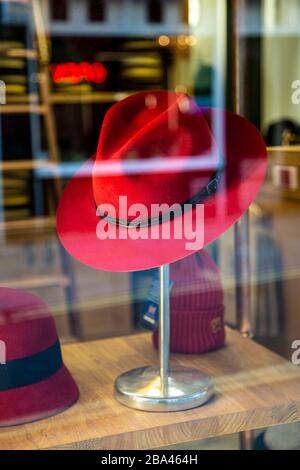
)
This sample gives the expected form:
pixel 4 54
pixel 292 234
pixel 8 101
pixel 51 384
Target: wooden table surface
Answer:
pixel 254 388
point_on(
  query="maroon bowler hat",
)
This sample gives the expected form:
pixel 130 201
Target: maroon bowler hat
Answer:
pixel 34 382
pixel 196 306
pixel 159 147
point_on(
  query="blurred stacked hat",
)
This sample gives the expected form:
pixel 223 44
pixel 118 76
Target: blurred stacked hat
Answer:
pixel 34 382
pixel 143 70
pixel 17 195
pixel 196 306
pixel 13 68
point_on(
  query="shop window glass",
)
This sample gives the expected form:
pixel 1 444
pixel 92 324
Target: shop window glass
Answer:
pixel 58 9
pixel 61 94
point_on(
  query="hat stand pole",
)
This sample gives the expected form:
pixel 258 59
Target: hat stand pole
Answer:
pixel 164 327
pixel 163 388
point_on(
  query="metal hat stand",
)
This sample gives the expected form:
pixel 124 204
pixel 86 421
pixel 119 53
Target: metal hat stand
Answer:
pixel 163 388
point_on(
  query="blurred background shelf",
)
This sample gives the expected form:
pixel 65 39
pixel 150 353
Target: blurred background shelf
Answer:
pixel 23 108
pixel 94 97
pixel 284 149
pixel 32 228
pixel 20 52
pixel 23 99
pixel 10 165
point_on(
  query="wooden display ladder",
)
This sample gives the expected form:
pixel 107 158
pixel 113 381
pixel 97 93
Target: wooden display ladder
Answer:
pixel 39 104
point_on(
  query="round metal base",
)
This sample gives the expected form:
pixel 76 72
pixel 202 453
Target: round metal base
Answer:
pixel 141 389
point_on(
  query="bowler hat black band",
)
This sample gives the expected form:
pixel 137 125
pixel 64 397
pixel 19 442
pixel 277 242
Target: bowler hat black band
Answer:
pixel 31 369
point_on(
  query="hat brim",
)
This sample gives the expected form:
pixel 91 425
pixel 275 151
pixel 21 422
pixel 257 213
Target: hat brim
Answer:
pixel 244 153
pixel 38 401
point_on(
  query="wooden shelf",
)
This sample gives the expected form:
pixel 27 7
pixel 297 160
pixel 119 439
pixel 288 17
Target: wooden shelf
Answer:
pixel 31 226
pixel 93 97
pixel 255 388
pixel 284 149
pixel 22 109
pixel 31 229
pixel 19 52
pixel 8 165
pixel 33 99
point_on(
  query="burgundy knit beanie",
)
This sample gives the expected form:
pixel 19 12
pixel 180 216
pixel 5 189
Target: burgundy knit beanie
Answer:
pixel 196 306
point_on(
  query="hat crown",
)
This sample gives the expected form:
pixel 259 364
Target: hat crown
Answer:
pixel 165 129
pixel 26 325
pixel 128 124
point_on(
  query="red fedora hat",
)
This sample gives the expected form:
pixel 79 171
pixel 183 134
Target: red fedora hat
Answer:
pixel 203 166
pixel 34 383
pixel 196 306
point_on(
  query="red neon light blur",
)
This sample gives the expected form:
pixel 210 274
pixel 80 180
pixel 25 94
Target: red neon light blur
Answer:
pixel 74 73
